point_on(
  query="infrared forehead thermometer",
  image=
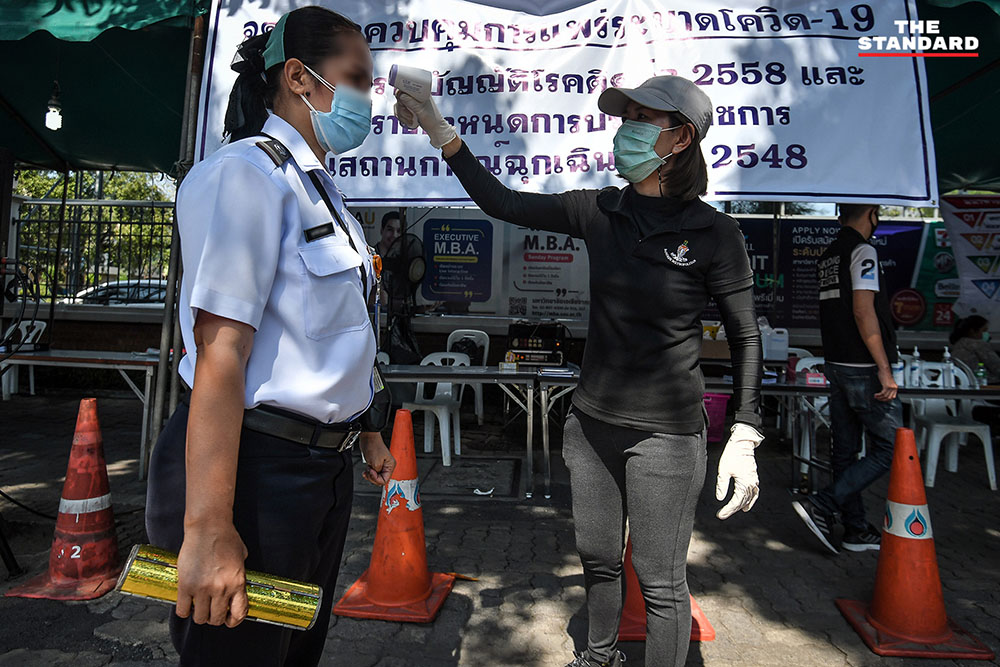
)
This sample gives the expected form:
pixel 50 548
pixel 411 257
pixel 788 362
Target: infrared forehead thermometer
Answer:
pixel 411 80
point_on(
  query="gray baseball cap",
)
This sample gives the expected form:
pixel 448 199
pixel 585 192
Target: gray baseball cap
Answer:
pixel 662 93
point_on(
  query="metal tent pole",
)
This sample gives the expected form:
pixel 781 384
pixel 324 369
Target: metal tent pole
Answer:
pixel 54 284
pixel 6 198
pixel 166 329
pixel 192 89
pixel 175 362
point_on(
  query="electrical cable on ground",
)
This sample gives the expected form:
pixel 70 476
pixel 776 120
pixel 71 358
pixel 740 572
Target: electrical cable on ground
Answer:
pixel 25 507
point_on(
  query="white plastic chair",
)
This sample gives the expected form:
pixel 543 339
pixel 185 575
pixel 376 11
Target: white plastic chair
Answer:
pixel 937 424
pixel 445 405
pixel 786 407
pixel 969 404
pixel 812 412
pixel 972 402
pixel 482 339
pixel 931 375
pixel 30 332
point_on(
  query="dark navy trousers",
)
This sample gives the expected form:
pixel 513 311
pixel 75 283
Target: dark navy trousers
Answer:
pixel 292 507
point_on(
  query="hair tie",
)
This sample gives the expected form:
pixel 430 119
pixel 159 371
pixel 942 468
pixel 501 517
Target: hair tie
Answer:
pixel 249 58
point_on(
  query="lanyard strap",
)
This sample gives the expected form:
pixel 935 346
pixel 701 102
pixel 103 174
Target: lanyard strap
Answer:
pixel 318 184
pixel 283 155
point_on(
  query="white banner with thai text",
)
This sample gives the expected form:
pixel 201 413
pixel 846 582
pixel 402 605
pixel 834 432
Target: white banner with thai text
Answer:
pixel 800 115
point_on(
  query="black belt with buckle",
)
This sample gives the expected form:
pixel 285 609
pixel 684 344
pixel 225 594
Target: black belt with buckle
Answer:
pixel 290 426
pixel 298 428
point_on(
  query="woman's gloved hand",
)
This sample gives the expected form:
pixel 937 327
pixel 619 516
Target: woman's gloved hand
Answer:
pixel 738 463
pixel 413 113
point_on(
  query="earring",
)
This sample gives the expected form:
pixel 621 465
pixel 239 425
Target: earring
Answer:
pixel 308 93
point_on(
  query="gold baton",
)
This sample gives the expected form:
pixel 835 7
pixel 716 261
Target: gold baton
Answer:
pixel 151 573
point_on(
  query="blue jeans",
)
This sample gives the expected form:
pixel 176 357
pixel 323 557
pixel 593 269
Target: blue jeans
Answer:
pixel 853 411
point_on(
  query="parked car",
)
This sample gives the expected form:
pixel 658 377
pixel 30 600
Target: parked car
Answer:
pixel 123 293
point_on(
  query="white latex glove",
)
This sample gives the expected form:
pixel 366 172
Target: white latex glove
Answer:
pixel 738 463
pixel 412 113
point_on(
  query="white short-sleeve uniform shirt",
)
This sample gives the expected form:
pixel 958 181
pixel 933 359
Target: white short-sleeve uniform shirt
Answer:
pixel 241 220
pixel 864 268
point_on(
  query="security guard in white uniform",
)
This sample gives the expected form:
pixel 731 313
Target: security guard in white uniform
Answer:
pixel 254 468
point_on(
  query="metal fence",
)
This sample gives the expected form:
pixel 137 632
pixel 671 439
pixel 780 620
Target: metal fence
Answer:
pixel 103 252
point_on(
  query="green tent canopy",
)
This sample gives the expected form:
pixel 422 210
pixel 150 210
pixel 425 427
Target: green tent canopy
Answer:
pixel 83 20
pixel 121 68
pixel 965 96
pixel 992 4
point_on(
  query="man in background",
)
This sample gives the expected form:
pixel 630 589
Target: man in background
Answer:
pixel 391 230
pixel 859 345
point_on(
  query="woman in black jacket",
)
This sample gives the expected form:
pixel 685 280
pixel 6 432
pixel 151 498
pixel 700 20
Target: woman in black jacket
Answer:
pixel 635 439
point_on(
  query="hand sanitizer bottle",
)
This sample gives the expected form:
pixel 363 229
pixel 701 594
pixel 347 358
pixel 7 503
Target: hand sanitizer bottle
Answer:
pixel 899 369
pixel 916 369
pixel 948 372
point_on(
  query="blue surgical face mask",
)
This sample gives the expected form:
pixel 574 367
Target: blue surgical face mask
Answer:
pixel 986 336
pixel 635 158
pixel 348 121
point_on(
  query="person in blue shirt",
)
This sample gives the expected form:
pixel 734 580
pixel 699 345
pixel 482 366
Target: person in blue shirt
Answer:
pixel 254 468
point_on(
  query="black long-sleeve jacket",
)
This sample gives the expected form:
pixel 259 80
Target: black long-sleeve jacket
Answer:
pixel 654 264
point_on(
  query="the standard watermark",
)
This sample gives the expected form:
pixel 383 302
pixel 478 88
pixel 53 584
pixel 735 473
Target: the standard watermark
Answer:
pixel 918 39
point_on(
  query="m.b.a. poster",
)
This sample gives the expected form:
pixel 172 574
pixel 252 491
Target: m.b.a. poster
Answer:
pixel 459 256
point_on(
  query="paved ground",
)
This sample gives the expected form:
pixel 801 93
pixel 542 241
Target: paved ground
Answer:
pixel 763 583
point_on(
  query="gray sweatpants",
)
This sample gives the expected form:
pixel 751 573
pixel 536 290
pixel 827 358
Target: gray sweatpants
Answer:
pixel 652 480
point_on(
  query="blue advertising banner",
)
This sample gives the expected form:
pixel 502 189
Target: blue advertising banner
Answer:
pixel 459 256
pixel 900 245
pixel 915 256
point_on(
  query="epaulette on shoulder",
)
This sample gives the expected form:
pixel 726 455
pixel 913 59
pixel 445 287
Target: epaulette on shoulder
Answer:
pixel 275 150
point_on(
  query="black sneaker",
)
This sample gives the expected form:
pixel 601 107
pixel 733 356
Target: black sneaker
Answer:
pixel 580 660
pixel 818 521
pixel 867 539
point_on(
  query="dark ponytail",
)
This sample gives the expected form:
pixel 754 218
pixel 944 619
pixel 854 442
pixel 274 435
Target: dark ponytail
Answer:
pixel 310 35
pixel 250 97
pixel 686 175
pixel 966 326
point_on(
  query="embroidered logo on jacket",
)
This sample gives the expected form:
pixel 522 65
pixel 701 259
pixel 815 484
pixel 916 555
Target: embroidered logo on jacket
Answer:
pixel 677 257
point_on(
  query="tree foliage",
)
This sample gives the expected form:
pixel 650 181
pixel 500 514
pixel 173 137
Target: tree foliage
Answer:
pixel 768 208
pixel 94 243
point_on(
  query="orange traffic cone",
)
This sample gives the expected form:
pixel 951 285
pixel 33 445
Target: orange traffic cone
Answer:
pixel 906 617
pixel 83 562
pixel 633 624
pixel 397 585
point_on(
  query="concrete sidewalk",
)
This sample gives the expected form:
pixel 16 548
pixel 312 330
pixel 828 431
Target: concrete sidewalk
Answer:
pixel 761 578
